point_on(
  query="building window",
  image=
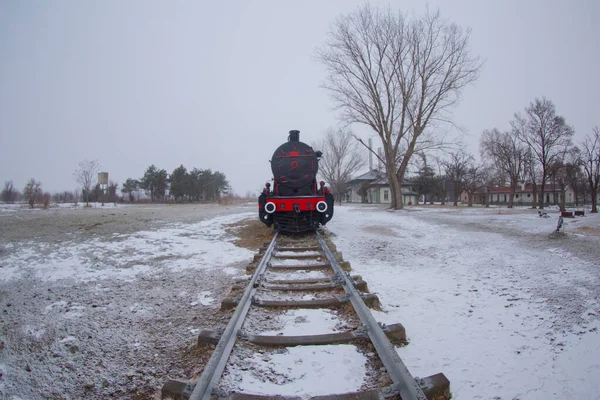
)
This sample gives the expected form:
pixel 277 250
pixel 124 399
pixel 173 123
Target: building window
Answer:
pixel 528 194
pixel 386 194
pixel 517 195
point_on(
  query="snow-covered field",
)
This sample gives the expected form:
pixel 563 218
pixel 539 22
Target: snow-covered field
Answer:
pixel 97 303
pixel 495 299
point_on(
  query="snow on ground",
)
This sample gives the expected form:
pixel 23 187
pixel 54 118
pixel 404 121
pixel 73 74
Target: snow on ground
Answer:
pixel 298 275
pixel 106 304
pixel 178 246
pixel 305 322
pixel 495 299
pixel 302 370
pixel 294 261
pixel 503 316
pixel 8 208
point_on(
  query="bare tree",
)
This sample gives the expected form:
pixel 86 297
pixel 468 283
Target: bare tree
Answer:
pixel 491 177
pixel 530 174
pixel 474 179
pixel 341 159
pixel 547 135
pixel 9 193
pixel 399 76
pixel 456 168
pixel 45 199
pixel 86 175
pixel 590 157
pixel 32 192
pixel 63 197
pixel 506 153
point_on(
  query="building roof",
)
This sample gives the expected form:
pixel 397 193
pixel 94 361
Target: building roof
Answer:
pixel 368 176
pixel 520 189
pixel 377 177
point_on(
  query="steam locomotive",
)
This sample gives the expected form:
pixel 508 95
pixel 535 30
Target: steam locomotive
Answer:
pixel 295 202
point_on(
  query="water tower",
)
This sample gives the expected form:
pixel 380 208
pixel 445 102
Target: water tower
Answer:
pixel 103 182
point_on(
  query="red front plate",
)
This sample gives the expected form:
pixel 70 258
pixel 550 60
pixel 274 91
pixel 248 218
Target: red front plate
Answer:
pixel 287 203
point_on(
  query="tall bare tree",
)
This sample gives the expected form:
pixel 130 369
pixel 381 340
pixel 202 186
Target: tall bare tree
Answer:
pixel 557 174
pixel 506 153
pixel 546 134
pixel 342 158
pixel 9 193
pixel 590 157
pixel 399 75
pixel 32 192
pixel 574 175
pixel 86 175
pixel 492 177
pixel 530 174
pixel 456 169
pixel 474 179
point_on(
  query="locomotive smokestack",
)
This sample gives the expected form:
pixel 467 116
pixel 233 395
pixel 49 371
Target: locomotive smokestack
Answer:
pixel 294 136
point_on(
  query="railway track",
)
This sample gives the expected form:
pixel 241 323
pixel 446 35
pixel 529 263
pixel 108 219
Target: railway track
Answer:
pixel 291 275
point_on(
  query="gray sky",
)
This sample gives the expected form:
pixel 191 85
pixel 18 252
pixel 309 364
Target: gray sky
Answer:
pixel 218 85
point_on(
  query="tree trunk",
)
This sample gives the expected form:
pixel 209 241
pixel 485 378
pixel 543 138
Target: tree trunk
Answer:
pixel 487 197
pixel 534 200
pixel 470 195
pixel 394 183
pixel 594 200
pixel 456 194
pixel 563 195
pixel 511 197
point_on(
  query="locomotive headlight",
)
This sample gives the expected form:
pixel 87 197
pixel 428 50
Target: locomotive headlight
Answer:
pixel 321 206
pixel 270 207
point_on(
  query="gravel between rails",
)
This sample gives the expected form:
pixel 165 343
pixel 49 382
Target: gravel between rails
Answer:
pixel 103 338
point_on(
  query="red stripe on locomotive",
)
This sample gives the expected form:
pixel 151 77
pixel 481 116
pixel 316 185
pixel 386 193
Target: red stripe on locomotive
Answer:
pixel 287 204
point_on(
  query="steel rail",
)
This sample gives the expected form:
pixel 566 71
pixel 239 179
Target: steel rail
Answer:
pixel 216 364
pixel 405 383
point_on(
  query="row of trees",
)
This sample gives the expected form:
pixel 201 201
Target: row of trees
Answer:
pixel 539 149
pixel 180 184
pixel 401 76
pixel 195 185
pixel 183 185
pixel 32 193
pixel 536 151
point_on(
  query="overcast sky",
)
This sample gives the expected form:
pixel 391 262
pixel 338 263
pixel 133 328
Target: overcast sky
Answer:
pixel 218 85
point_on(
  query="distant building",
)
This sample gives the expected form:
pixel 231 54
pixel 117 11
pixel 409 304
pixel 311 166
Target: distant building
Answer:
pixel 373 187
pixel 523 195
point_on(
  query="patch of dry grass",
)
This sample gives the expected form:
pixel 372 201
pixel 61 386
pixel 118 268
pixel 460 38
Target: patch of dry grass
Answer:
pixel 250 233
pixel 379 230
pixel 588 230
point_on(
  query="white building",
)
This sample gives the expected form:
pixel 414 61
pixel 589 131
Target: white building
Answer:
pixel 373 187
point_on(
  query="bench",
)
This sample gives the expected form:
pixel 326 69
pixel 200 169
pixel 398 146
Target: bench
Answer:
pixel 566 214
pixel 579 213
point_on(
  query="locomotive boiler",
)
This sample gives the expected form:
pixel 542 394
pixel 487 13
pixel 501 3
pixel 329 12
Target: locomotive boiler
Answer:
pixel 295 202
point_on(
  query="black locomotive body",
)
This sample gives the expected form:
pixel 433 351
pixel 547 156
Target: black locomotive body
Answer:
pixel 295 202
